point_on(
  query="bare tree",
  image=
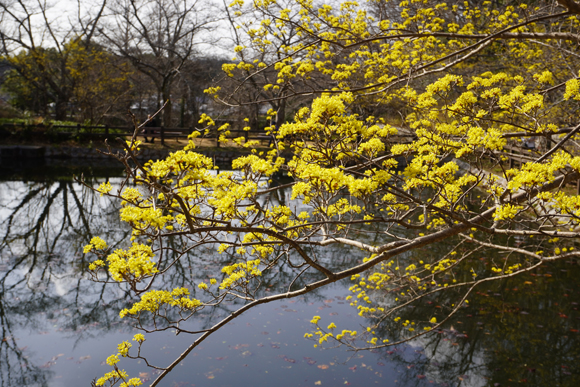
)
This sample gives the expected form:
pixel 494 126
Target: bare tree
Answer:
pixel 158 37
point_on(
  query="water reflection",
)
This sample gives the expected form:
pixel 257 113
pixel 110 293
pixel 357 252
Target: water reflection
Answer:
pixel 44 226
pixel 56 326
pixel 520 331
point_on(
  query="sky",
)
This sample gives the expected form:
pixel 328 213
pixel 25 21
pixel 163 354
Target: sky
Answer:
pixel 61 14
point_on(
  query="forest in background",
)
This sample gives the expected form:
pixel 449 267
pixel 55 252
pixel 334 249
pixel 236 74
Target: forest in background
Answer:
pixel 91 64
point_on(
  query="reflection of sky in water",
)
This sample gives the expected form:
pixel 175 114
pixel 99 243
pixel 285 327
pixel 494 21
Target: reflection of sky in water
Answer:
pixel 57 328
pixel 66 328
pixel 264 347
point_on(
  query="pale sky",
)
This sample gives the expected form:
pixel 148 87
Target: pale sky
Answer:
pixel 64 13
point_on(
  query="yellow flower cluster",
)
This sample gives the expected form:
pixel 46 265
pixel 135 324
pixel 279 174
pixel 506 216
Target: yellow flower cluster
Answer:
pixel 105 188
pixel 96 243
pixel 572 90
pixel 153 300
pixel 506 211
pixel 143 218
pixel 123 348
pixel 239 271
pixel 114 376
pixel 134 263
pixel 257 165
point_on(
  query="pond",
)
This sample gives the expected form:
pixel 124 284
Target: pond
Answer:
pixel 57 327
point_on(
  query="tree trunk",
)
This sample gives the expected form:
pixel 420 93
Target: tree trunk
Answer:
pixel 60 110
pixel 182 112
pixel 166 114
pixel 191 104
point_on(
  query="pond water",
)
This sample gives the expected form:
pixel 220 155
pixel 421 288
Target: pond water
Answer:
pixel 57 327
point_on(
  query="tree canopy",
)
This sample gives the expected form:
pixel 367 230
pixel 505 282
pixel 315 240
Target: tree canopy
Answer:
pixel 413 112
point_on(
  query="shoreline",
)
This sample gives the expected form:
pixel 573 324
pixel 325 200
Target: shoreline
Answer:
pixel 36 152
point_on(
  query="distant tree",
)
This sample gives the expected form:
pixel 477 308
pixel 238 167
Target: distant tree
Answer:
pixel 101 82
pixel 158 37
pixel 43 52
pixel 196 76
pixel 262 47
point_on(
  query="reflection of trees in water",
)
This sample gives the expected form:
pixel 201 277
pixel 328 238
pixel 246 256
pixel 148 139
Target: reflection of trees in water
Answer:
pixel 512 333
pixel 15 369
pixel 44 227
pixel 204 262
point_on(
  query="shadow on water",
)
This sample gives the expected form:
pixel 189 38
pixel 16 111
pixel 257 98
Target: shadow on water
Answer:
pixel 54 169
pixel 56 327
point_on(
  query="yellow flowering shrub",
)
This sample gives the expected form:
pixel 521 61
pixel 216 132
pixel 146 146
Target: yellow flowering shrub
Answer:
pixel 390 136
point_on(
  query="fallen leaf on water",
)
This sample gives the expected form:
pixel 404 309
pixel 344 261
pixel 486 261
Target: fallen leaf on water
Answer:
pixel 82 358
pixel 323 366
pixel 318 383
pixel 289 360
pixel 143 375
